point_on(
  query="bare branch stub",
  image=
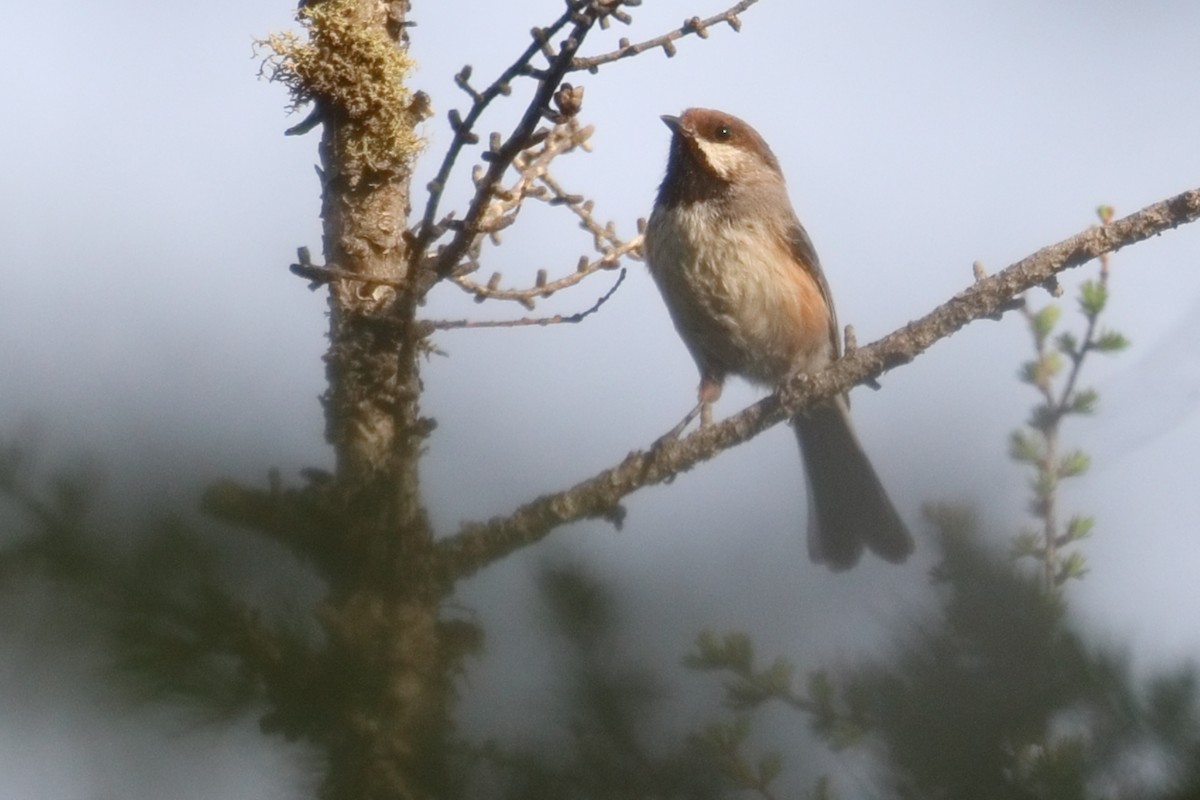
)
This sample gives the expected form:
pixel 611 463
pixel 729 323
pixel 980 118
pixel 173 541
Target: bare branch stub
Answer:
pixel 478 544
pixel 320 276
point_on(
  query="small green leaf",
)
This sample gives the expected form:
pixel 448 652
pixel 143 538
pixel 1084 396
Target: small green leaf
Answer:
pixel 1074 464
pixel 778 677
pixel 1093 296
pixel 1042 322
pixel 1110 342
pixel 1041 371
pixel 1051 365
pixel 1023 447
pixel 1079 527
pixel 1067 344
pixel 732 651
pixel 1084 402
pixel 1073 567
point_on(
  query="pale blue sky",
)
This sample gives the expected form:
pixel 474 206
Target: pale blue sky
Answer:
pixel 149 206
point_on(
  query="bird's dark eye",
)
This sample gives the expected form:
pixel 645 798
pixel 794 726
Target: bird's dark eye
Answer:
pixel 723 133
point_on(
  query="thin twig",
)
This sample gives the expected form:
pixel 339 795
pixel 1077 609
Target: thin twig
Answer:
pixel 695 25
pixel 557 319
pixel 582 208
pixel 526 296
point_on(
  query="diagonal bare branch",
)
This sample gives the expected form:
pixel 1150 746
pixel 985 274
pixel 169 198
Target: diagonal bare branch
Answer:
pixel 464 128
pixel 501 159
pixel 478 544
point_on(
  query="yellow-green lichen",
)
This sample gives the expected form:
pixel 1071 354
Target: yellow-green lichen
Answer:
pixel 356 74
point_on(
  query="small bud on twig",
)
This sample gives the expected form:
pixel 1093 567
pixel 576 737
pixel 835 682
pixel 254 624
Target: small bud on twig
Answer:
pixel 568 100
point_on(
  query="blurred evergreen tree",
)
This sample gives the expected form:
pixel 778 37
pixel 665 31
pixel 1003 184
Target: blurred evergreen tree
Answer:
pixel 997 695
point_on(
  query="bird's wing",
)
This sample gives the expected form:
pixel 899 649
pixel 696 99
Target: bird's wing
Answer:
pixel 806 255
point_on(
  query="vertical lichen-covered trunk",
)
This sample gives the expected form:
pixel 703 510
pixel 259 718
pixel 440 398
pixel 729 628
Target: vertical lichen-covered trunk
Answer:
pixel 386 718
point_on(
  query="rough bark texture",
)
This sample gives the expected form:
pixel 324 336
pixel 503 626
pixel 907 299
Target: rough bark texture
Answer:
pixel 388 717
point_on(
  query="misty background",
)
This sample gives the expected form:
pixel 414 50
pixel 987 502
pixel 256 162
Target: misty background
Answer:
pixel 150 330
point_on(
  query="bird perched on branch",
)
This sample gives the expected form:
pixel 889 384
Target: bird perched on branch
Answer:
pixel 745 290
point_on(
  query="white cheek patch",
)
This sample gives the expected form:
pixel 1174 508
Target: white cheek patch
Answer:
pixel 724 159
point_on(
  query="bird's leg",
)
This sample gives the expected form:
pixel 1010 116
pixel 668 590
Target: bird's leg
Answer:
pixel 675 432
pixel 710 390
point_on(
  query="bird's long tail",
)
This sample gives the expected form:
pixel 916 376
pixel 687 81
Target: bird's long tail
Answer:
pixel 848 507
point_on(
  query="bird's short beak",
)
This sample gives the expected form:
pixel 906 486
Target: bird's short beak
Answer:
pixel 673 122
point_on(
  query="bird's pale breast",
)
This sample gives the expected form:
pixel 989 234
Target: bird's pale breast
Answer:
pixel 736 294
